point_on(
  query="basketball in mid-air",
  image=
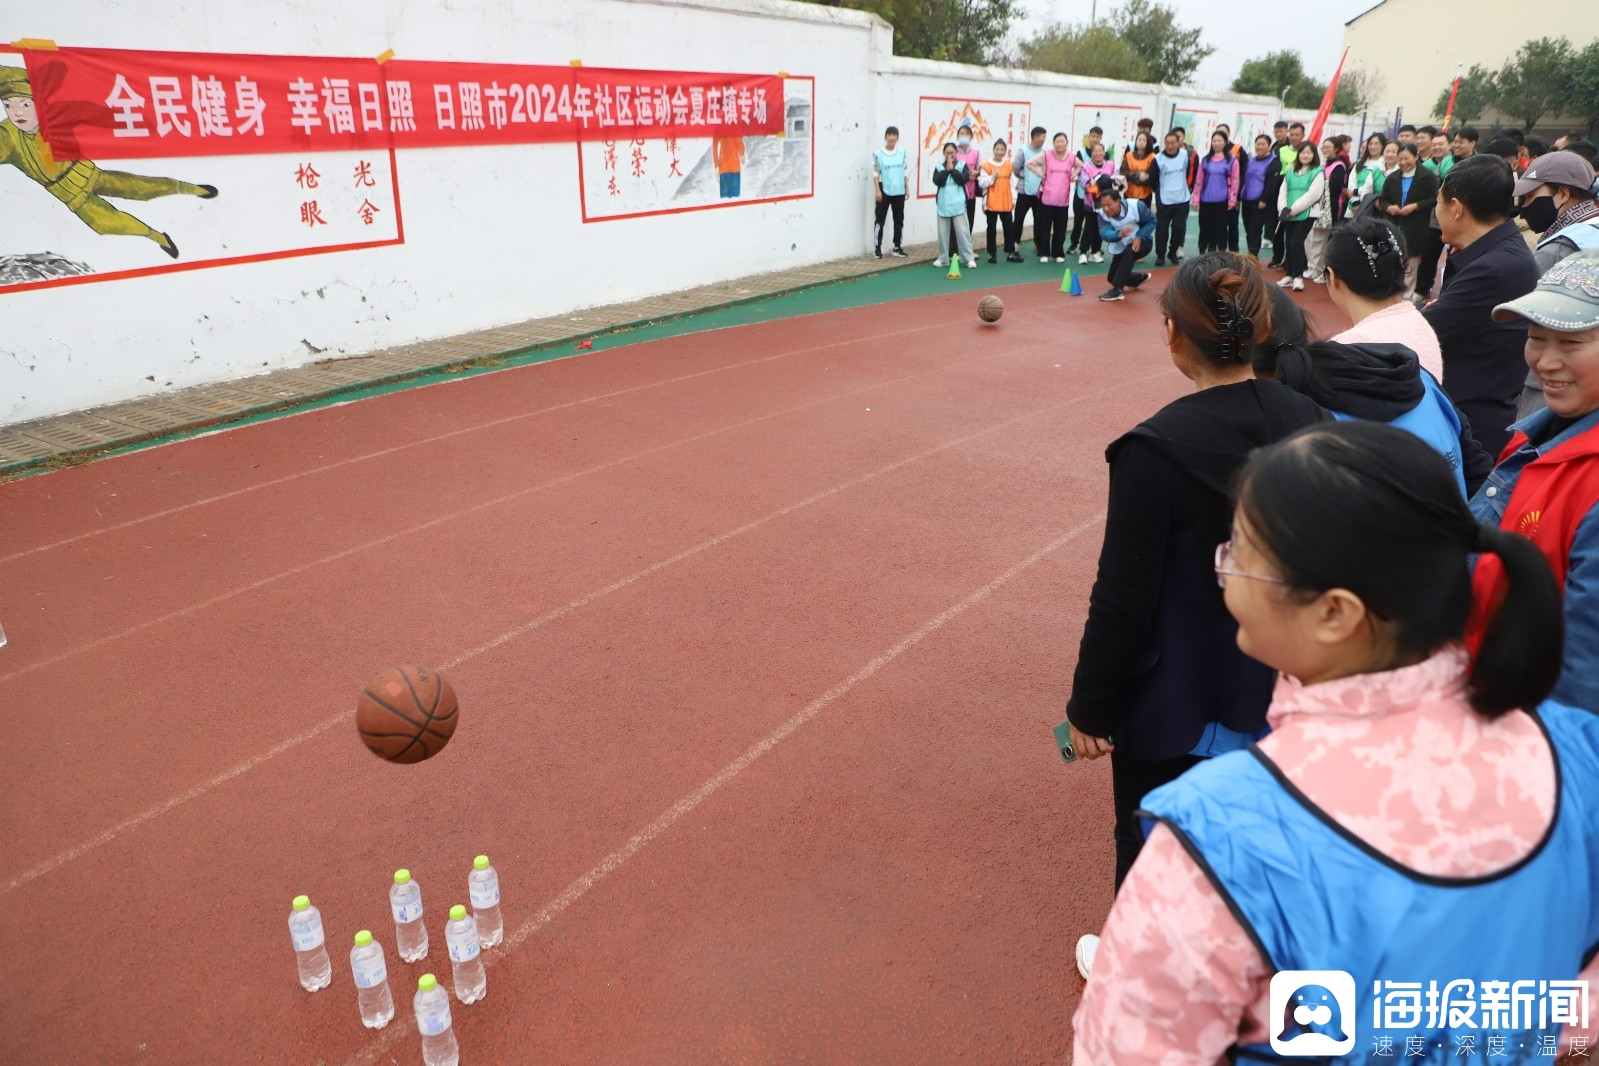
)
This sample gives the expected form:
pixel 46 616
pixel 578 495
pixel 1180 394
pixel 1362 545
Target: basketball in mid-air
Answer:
pixel 407 713
pixel 989 308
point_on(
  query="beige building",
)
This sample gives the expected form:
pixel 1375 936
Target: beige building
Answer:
pixel 1415 45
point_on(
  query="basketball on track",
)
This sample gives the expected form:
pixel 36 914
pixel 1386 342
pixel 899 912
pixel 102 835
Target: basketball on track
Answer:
pixel 989 308
pixel 406 714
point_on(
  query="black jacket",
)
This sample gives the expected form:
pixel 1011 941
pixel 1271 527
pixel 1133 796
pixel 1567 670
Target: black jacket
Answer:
pixel 1274 182
pixel 1423 191
pixel 1485 361
pixel 1158 660
pixel 1375 383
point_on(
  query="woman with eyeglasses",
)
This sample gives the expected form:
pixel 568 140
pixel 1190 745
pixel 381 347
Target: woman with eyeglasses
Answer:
pixel 1415 810
pixel 1160 683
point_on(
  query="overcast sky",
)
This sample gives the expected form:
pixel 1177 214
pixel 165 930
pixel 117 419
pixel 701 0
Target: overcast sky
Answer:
pixel 1314 29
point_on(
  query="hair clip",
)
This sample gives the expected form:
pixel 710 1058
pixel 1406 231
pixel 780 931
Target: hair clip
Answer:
pixel 1374 251
pixel 1237 328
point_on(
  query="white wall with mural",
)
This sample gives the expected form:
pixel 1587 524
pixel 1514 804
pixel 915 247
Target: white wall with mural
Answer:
pixel 140 273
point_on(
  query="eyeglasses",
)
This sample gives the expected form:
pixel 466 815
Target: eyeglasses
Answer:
pixel 1224 570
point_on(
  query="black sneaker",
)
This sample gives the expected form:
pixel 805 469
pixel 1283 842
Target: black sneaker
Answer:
pixel 1015 257
pixel 899 253
pixel 1112 296
pixel 877 253
pixel 1160 262
pixel 1275 264
pixel 1177 257
pixel 1138 278
pixel 991 258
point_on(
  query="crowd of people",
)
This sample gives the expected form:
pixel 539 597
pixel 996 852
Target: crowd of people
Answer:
pixel 1342 650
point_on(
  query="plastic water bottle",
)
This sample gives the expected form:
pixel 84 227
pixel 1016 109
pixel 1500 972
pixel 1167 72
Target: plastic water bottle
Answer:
pixel 460 933
pixel 483 886
pixel 410 935
pixel 432 1006
pixel 310 947
pixel 371 972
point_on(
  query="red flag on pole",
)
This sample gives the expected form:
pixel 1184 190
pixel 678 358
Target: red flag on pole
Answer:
pixel 1327 101
pixel 1453 90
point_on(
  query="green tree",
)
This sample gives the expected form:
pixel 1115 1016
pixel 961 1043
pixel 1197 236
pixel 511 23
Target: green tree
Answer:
pixel 1171 52
pixel 1270 74
pixel 1095 51
pixel 1534 82
pixel 1478 92
pixel 963 31
pixel 1582 97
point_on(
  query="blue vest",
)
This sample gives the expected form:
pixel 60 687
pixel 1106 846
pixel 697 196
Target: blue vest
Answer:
pixel 1173 187
pixel 1585 235
pixel 950 200
pixel 891 171
pixel 1031 182
pixel 1435 421
pixel 1312 896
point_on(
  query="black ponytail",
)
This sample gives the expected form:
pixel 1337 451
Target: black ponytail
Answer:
pixel 1373 509
pixel 1523 643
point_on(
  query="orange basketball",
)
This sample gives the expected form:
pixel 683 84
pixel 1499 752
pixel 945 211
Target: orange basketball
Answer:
pixel 406 713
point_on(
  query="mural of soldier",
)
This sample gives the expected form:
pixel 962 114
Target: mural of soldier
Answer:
pixel 81 185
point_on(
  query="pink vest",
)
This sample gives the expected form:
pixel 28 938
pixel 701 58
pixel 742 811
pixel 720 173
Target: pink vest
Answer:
pixel 1057 188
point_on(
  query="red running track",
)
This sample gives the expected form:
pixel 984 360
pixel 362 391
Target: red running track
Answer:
pixel 758 634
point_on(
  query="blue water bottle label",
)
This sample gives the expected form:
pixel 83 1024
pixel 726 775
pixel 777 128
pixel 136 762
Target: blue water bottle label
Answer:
pixel 464 950
pixel 434 1020
pixel 405 913
pixel 485 893
pixel 371 973
pixel 307 937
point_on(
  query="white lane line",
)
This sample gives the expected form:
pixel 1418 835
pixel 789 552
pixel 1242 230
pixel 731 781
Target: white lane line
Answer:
pixel 204 787
pixel 223 597
pixel 404 1022
pixel 179 509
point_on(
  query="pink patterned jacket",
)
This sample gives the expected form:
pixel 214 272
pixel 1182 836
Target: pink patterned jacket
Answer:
pixel 1399 759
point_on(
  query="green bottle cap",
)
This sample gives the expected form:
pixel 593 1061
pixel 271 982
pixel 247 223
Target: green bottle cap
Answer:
pixel 457 912
pixel 301 902
pixel 427 983
pixel 402 877
pixel 480 863
pixel 363 938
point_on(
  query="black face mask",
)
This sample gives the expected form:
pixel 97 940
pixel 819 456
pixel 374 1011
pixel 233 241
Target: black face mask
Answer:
pixel 1539 214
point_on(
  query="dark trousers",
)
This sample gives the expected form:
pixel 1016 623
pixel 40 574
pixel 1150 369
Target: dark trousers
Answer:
pixel 1431 250
pixel 1122 264
pixel 1213 227
pixel 1130 781
pixel 1171 229
pixel 1294 235
pixel 1006 223
pixel 1088 240
pixel 1056 218
pixel 897 204
pixel 1081 215
pixel 971 216
pixel 1259 222
pixel 1026 202
pixel 1279 236
pixel 1232 229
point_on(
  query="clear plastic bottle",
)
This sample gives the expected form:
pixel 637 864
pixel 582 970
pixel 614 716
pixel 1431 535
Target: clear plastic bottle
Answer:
pixel 410 934
pixel 371 972
pixel 310 946
pixel 483 886
pixel 432 1005
pixel 460 933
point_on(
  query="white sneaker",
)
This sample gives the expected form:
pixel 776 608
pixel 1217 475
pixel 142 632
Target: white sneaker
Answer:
pixel 1286 283
pixel 1060 259
pixel 973 264
pixel 1097 257
pixel 1299 285
pixel 1081 259
pixel 1087 948
pixel 941 262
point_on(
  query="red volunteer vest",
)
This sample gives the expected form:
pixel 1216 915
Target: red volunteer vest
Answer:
pixel 1552 496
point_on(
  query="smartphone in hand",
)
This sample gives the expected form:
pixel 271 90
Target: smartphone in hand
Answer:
pixel 1063 739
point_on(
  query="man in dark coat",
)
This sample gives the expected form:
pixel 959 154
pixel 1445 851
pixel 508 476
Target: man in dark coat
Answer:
pixel 1489 264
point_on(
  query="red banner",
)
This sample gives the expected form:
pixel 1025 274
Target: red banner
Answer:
pixel 123 104
pixel 1327 102
pixel 1454 90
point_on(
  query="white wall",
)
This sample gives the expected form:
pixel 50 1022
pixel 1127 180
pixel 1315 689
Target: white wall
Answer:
pixel 493 235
